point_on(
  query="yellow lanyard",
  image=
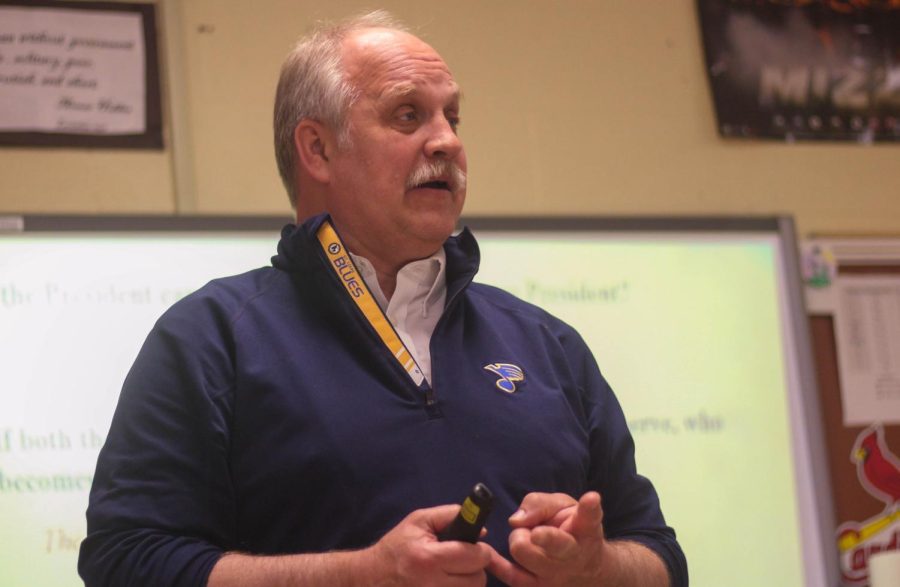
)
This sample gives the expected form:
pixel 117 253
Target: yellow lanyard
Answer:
pixel 340 261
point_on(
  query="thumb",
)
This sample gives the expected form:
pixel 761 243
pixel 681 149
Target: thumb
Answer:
pixel 588 519
pixel 437 518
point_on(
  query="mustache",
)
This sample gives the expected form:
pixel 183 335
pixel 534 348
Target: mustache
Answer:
pixel 440 170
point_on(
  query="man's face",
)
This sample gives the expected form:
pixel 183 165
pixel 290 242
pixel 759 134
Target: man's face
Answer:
pixel 404 119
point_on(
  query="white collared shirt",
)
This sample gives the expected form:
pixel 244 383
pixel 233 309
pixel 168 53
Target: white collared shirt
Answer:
pixel 417 303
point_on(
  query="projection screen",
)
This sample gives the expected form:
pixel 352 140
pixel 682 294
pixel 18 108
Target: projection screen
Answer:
pixel 697 323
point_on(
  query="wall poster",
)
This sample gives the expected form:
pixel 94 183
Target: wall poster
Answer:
pixel 79 74
pixel 804 69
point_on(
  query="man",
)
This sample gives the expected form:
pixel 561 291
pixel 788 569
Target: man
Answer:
pixel 314 422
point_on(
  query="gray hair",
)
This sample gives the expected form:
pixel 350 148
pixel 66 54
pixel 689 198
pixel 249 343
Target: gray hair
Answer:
pixel 313 85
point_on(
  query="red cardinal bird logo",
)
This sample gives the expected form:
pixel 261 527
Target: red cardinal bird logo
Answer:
pixel 877 467
pixel 878 470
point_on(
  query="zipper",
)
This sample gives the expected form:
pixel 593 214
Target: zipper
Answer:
pixel 430 394
pixel 386 334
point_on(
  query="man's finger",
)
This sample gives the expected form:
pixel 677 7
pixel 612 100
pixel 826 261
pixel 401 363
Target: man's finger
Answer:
pixel 562 516
pixel 588 519
pixel 539 508
pixel 557 544
pixel 510 573
pixel 460 558
pixel 530 556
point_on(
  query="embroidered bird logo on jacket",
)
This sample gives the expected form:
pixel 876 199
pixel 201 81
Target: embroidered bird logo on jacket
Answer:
pixel 509 374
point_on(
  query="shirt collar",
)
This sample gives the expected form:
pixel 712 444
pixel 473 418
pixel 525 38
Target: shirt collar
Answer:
pixel 429 273
pixel 299 251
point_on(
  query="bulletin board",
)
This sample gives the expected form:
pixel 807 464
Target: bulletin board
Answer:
pixel 860 277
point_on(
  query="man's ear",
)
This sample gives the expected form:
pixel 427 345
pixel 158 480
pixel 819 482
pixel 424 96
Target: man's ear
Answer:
pixel 313 144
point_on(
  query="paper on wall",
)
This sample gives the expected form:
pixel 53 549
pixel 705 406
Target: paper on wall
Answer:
pixel 867 332
pixel 72 71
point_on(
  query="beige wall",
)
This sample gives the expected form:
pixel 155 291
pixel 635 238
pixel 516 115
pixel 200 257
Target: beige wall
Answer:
pixel 571 108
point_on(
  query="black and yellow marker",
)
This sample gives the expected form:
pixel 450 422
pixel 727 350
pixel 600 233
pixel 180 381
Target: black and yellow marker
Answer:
pixel 466 527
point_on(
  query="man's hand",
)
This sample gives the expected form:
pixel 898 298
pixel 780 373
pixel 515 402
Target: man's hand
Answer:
pixel 556 541
pixel 410 554
pixel 559 542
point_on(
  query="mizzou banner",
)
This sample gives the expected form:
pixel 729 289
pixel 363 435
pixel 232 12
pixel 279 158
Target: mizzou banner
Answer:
pixel 804 69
